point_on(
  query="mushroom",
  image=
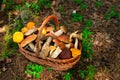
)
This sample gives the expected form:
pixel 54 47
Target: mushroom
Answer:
pixel 60 32
pixel 56 52
pixel 52 49
pixel 75 35
pixel 59 43
pixel 32 46
pixel 63 38
pixel 30 31
pixel 65 54
pixel 28 40
pixel 69 45
pixel 77 38
pixel 76 43
pixel 40 46
pixel 46 48
pixel 50 28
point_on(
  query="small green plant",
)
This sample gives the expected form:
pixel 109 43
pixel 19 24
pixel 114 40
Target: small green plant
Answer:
pixel 98 4
pixel 86 43
pixel 9 4
pixel 83 6
pixel 77 17
pixel 67 76
pixel 34 69
pixel 44 3
pixel 111 13
pixel 88 23
pixel 118 25
pixel 78 1
pixel 87 74
pixel 62 10
pixel 118 15
pixel 6 51
pixel 35 7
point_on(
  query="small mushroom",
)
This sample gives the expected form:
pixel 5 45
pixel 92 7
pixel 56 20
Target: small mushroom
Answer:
pixel 75 35
pixel 28 40
pixel 56 52
pixel 30 31
pixel 60 32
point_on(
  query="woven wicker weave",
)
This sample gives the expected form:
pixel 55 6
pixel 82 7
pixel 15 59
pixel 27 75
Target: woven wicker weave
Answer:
pixel 56 64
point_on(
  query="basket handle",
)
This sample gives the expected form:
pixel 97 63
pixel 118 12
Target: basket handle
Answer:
pixel 41 28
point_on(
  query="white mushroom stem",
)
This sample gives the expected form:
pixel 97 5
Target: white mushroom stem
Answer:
pixel 57 33
pixel 56 53
pixel 76 43
pixel 75 35
pixel 45 49
pixel 60 32
pixel 40 46
pixel 32 46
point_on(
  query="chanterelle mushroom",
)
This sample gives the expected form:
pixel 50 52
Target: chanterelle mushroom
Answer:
pixel 28 39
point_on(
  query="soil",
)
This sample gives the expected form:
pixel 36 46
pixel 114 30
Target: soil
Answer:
pixel 106 42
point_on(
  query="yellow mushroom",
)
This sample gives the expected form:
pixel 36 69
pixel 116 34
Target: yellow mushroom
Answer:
pixel 75 52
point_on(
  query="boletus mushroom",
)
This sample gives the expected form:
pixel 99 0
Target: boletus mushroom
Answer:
pixel 65 54
pixel 28 40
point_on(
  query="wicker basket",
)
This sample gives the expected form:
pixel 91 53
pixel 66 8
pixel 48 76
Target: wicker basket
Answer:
pixel 56 64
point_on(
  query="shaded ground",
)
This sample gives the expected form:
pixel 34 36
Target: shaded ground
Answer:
pixel 106 43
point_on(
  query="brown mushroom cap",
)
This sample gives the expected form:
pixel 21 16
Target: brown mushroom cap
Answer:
pixel 50 28
pixel 63 38
pixel 30 31
pixel 28 39
pixel 63 28
pixel 59 43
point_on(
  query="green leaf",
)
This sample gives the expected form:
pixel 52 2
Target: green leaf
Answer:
pixel 27 5
pixel 67 76
pixel 98 4
pixel 118 15
pixel 77 17
pixel 91 72
pixel 83 6
pixel 88 23
pixel 37 75
pixel 78 1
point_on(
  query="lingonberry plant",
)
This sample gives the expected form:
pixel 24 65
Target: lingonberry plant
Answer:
pixel 34 69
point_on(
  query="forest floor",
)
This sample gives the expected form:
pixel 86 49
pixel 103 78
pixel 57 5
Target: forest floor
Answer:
pixel 105 40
